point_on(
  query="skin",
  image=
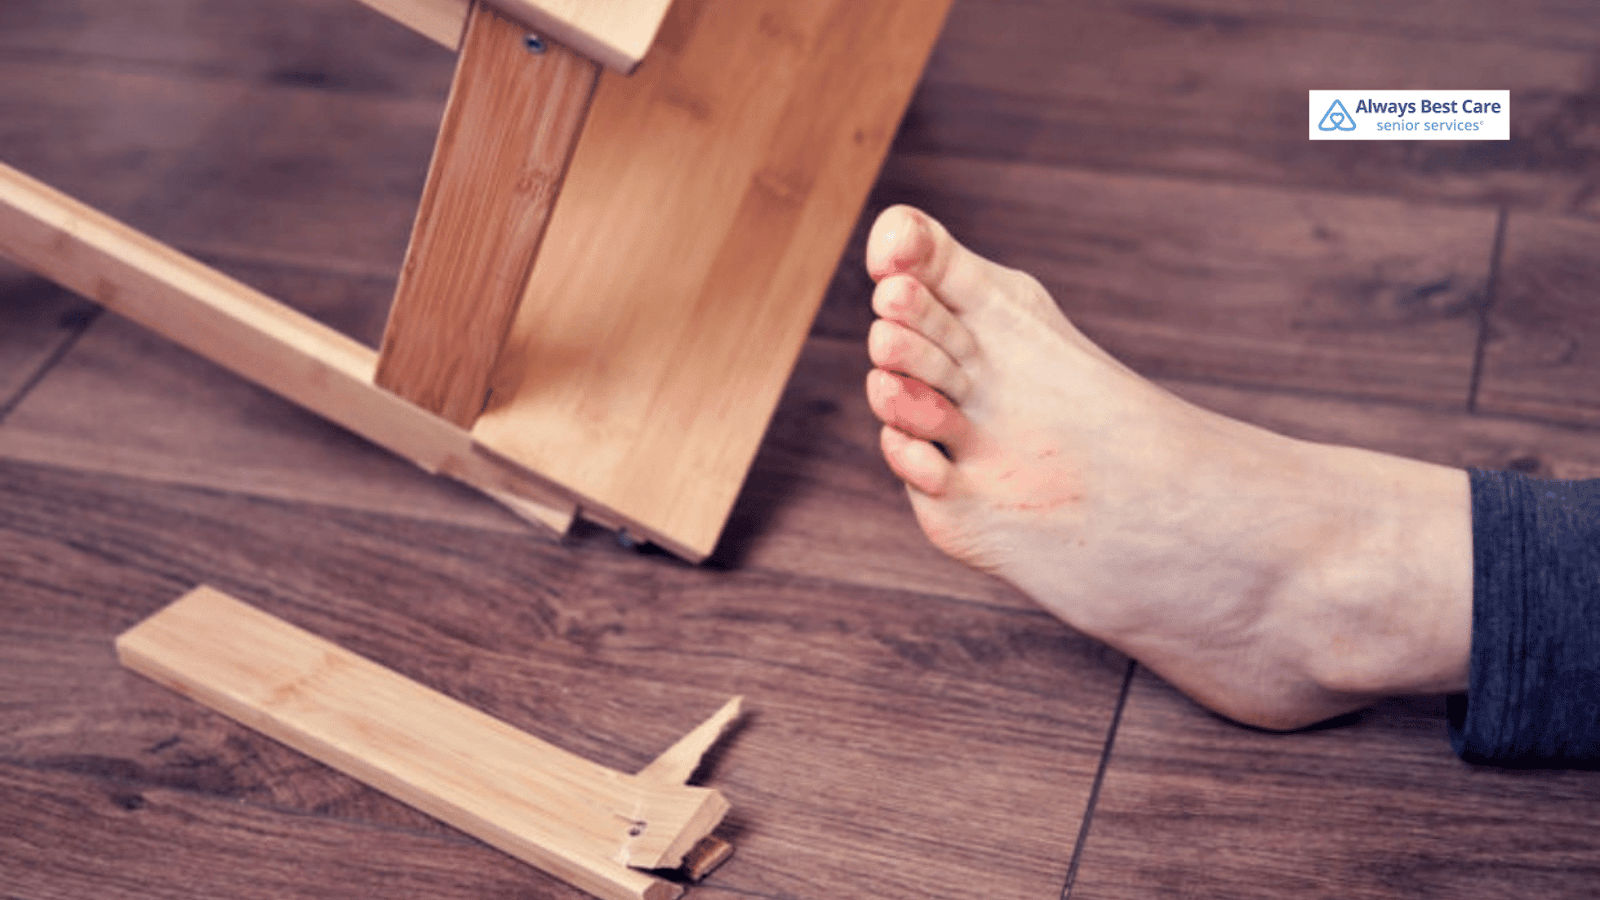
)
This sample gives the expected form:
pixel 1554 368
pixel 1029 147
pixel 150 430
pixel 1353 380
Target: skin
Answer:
pixel 1275 581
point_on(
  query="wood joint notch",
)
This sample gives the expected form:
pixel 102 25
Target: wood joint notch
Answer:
pixel 591 826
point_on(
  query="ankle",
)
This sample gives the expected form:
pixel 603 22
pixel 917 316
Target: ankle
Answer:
pixel 1387 610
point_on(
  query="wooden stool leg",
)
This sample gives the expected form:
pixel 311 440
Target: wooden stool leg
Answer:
pixel 516 109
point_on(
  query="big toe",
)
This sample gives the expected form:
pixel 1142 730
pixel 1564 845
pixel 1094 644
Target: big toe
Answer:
pixel 907 240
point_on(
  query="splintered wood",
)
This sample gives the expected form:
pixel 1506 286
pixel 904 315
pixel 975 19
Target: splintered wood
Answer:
pixel 591 826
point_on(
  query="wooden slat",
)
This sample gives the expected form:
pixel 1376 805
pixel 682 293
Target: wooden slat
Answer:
pixel 615 33
pixel 573 818
pixel 1542 356
pixel 700 223
pixel 509 128
pixel 243 330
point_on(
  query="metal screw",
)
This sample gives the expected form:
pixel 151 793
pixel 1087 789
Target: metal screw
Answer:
pixel 533 42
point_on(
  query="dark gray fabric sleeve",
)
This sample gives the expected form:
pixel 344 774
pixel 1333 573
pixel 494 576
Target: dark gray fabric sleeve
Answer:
pixel 1534 684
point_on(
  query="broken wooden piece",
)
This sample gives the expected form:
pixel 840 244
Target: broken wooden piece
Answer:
pixel 247 332
pixel 511 122
pixel 615 33
pixel 591 826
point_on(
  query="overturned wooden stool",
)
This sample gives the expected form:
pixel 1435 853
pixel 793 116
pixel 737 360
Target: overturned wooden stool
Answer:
pixel 610 276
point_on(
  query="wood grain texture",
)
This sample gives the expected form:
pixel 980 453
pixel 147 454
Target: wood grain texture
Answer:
pixel 701 219
pixel 1288 288
pixel 915 729
pixel 1541 357
pixel 1196 807
pixel 578 820
pixel 894 741
pixel 509 129
pixel 83 833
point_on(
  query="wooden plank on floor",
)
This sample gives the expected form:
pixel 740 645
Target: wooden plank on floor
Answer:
pixel 1193 806
pixel 895 742
pixel 1283 288
pixel 701 220
pixel 1542 357
pixel 509 129
pixel 563 813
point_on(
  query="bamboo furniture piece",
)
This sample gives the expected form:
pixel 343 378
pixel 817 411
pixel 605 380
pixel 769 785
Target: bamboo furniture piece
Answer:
pixel 593 827
pixel 610 275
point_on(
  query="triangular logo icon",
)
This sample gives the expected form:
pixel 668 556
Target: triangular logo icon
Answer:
pixel 1337 118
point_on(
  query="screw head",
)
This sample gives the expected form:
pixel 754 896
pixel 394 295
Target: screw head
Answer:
pixel 534 43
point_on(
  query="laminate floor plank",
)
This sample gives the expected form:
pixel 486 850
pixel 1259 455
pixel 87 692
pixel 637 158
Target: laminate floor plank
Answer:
pixel 209 166
pixel 1283 288
pixel 1193 806
pixel 103 835
pixel 1448 437
pixel 1217 91
pixel 1542 356
pixel 897 741
pixel 327 44
pixel 37 322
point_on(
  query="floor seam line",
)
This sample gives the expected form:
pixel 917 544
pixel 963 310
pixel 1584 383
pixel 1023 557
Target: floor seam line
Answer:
pixel 49 364
pixel 1485 309
pixel 1099 779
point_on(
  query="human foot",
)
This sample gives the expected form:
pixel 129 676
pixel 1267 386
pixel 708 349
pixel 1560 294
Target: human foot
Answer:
pixel 1275 581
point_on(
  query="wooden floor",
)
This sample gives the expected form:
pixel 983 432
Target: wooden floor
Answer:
pixel 916 730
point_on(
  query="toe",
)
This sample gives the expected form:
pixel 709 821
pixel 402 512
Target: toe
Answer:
pixel 916 409
pixel 917 462
pixel 907 240
pixel 903 299
pixel 895 347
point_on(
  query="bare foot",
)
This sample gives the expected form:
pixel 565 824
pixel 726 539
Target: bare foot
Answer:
pixel 1277 582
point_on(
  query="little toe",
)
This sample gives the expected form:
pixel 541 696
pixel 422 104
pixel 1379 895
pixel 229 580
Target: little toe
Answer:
pixel 916 409
pixel 903 299
pixel 895 347
pixel 916 462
